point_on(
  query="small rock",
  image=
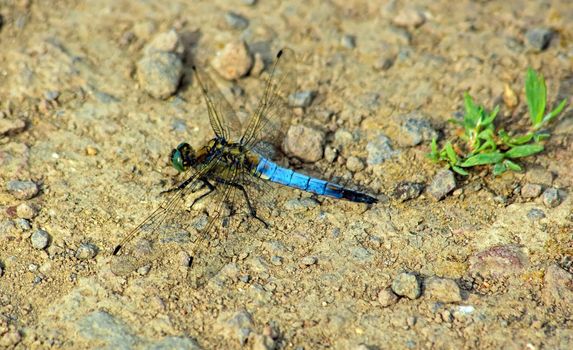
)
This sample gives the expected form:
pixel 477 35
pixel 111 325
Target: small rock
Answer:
pixel 22 189
pixel 530 190
pixel 551 197
pixel 144 270
pixel 11 127
pixel 535 214
pixel 538 39
pixel 301 99
pixel 343 137
pixel 26 211
pixel 305 143
pixel 91 151
pixel 379 150
pixel 160 73
pixel 409 18
pixel 330 154
pixel 236 21
pixel 415 131
pixel 539 175
pixel 86 251
pixel 406 284
pixel 443 183
pixel 184 259
pixel 165 42
pixel 558 287
pixel 276 260
pixel 309 260
pixel 40 239
pixel 443 290
pixel 262 342
pixel 407 190
pixel 51 95
pixel 348 41
pixel 503 260
pixel 238 326
pixel 23 224
pixel 509 96
pixel 354 164
pixel 234 61
pixel 384 63
pixel 258 65
pixel 386 297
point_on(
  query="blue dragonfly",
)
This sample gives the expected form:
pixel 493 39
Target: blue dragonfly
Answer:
pixel 233 164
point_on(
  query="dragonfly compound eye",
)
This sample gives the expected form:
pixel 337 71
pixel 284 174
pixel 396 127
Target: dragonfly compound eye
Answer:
pixel 177 160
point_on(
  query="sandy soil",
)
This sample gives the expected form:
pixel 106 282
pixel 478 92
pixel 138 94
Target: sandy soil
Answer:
pixel 489 266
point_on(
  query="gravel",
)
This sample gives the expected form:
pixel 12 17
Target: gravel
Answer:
pixel 416 130
pixel 538 39
pixel 529 190
pixel 443 290
pixel 26 211
pixel 40 239
pixel 233 61
pixel 407 190
pixel 443 183
pixel 22 189
pixel 305 143
pixel 301 99
pixel 379 150
pixel 354 164
pixel 10 127
pixel 159 74
pixel 386 297
pixel 551 197
pixel 236 21
pixel 309 260
pixel 86 251
pixel 535 214
pixel 407 285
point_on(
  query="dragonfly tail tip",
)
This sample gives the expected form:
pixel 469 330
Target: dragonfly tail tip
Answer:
pixel 116 250
pixel 279 54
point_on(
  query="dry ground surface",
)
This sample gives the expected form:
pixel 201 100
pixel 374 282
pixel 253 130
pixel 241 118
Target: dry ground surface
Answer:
pixel 488 266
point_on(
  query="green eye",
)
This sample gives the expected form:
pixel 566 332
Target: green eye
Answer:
pixel 177 160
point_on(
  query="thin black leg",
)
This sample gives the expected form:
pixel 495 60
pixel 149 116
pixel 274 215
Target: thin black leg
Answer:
pixel 252 210
pixel 211 189
pixel 183 185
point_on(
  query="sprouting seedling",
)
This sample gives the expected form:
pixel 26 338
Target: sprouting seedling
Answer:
pixel 483 145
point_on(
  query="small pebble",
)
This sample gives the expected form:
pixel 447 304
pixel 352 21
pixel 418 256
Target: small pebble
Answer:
pixel 407 190
pixel 416 130
pixel 144 270
pixel 22 189
pixel 10 127
pixel 233 61
pixel 23 224
pixel 91 151
pixel 184 259
pixel 26 211
pixel 538 39
pixel 354 164
pixel 343 137
pixel 276 260
pixel 165 42
pixel 236 21
pixel 301 98
pixel 384 63
pixel 40 239
pixel 51 95
pixel 443 183
pixel 305 143
pixel 309 260
pixel 406 284
pixel 32 267
pixel 551 197
pixel 348 41
pixel 530 190
pixel 159 74
pixel 330 154
pixel 387 297
pixel 443 290
pixel 86 251
pixel 379 150
pixel 409 18
pixel 509 96
pixel 245 278
pixel 258 65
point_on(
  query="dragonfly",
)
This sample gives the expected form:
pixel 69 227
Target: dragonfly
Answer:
pixel 234 163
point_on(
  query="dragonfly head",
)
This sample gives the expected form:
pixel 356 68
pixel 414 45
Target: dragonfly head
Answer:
pixel 182 157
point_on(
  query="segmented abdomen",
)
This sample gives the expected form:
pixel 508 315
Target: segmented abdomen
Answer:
pixel 268 170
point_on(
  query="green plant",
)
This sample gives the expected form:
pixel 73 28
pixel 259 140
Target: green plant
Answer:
pixel 483 145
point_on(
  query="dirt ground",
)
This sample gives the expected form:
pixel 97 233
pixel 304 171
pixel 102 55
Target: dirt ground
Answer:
pixel 488 266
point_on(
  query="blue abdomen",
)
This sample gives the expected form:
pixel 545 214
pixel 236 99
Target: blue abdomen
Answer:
pixel 271 171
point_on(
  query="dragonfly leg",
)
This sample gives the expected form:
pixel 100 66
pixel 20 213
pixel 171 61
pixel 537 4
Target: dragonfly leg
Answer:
pixel 207 184
pixel 182 186
pixel 252 210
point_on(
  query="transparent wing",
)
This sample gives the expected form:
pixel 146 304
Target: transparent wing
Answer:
pixel 272 117
pixel 168 222
pixel 221 115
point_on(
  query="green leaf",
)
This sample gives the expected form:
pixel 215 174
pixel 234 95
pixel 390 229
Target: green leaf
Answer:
pixel 473 113
pixel 481 159
pixel 511 165
pixel 489 120
pixel 536 94
pixel 540 137
pixel 524 151
pixel 520 140
pixel 499 169
pixel 452 156
pixel 459 170
pixel 554 113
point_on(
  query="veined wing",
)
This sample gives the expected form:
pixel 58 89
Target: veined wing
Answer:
pixel 222 117
pixel 148 228
pixel 272 117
